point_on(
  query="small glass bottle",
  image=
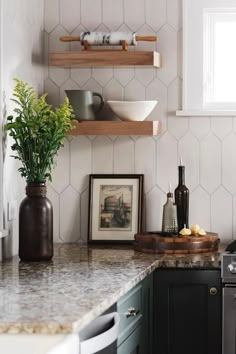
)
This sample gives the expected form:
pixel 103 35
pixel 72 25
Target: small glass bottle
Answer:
pixel 182 199
pixel 169 219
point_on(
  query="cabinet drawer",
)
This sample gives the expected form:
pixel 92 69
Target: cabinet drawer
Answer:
pixel 132 344
pixel 129 309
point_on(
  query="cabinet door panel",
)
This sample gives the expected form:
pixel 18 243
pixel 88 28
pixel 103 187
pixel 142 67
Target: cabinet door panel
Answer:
pixel 147 311
pixel 132 344
pixel 187 317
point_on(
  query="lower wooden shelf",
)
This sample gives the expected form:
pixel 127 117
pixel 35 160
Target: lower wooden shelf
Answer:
pixel 115 128
pixel 88 58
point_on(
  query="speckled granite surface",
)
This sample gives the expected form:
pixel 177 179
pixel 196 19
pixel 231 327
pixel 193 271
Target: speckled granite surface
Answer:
pixel 80 283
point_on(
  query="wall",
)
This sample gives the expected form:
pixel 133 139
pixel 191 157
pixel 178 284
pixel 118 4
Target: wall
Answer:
pixel 22 56
pixel 207 145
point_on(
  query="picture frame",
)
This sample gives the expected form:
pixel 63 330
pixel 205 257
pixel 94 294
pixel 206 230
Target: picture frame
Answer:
pixel 115 207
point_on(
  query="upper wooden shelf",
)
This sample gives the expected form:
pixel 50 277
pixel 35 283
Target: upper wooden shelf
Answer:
pixel 88 58
pixel 115 128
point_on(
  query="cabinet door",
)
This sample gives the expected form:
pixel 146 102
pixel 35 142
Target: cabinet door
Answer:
pixel 132 344
pixel 147 311
pixel 187 312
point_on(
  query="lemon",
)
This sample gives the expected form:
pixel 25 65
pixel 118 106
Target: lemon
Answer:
pixel 201 232
pixel 195 229
pixel 185 232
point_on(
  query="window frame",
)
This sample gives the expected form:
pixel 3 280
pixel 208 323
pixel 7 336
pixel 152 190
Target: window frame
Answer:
pixel 211 18
pixel 193 82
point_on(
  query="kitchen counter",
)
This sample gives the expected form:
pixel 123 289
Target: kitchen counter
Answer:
pixel 80 283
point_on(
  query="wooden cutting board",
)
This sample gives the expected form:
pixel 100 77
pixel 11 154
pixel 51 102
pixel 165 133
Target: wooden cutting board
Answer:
pixel 156 242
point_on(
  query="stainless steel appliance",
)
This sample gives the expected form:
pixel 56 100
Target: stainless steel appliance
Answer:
pixel 228 274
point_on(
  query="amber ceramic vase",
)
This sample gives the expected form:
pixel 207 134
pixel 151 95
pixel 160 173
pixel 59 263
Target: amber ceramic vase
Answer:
pixel 36 225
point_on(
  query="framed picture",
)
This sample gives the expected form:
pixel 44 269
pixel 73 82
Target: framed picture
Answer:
pixel 115 207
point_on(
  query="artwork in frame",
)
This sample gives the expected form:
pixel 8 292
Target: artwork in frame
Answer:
pixel 115 207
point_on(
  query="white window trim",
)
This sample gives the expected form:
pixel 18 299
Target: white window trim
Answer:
pixel 199 109
pixel 210 19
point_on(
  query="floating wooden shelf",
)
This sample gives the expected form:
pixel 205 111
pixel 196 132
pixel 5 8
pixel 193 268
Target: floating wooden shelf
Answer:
pixel 88 58
pixel 115 128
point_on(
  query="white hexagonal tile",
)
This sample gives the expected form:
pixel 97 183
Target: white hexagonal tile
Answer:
pixel 221 221
pixel 167 46
pixel 54 40
pixel 60 174
pixel 92 85
pixel 123 155
pixel 189 151
pixel 174 13
pixel 221 126
pixel 54 198
pixel 180 53
pixel 124 28
pixel 102 155
pixel 145 30
pixel 200 208
pixel 229 163
pixel 155 200
pixel 51 14
pixel 145 161
pixel 134 13
pixel 84 216
pixel 113 91
pixel 81 76
pixel 59 75
pixel 70 220
pixel 113 13
pixel 124 75
pixel 53 92
pixel 210 164
pixel 145 75
pixel 157 91
pixel 166 161
pixel 68 85
pixel 134 91
pixel 199 127
pixel 176 125
pixel 45 54
pixel 155 13
pixel 80 162
pixel 69 14
pixel 91 13
pixel 102 75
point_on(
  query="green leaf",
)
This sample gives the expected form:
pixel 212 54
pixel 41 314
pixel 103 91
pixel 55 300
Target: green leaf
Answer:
pixel 37 130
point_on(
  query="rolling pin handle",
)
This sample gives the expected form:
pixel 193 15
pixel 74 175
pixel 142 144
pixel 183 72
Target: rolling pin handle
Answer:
pixel 146 38
pixel 69 39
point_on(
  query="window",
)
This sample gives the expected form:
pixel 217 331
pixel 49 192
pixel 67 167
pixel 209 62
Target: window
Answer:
pixel 219 55
pixel 209 69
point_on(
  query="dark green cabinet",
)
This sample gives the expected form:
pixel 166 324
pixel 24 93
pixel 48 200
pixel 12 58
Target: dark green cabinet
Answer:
pixel 187 311
pixel 136 315
pixel 132 344
pixel 147 310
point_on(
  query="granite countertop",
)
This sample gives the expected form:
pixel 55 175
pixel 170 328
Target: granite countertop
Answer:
pixel 64 295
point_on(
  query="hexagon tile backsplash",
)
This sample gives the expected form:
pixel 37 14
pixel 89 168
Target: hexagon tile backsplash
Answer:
pixel 207 145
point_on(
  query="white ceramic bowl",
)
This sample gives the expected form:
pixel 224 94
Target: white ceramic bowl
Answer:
pixel 132 110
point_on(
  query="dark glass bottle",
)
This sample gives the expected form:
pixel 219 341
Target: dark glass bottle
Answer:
pixel 36 225
pixel 182 200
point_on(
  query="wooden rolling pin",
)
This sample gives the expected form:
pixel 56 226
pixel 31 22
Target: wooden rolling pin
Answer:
pixel 109 38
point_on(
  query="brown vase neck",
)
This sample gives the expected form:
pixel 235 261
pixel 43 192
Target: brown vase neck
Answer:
pixel 36 190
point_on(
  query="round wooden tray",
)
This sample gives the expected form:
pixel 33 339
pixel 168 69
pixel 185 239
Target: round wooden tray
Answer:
pixel 156 242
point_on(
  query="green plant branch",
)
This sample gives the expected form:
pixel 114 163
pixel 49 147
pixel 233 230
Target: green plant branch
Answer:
pixel 38 131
